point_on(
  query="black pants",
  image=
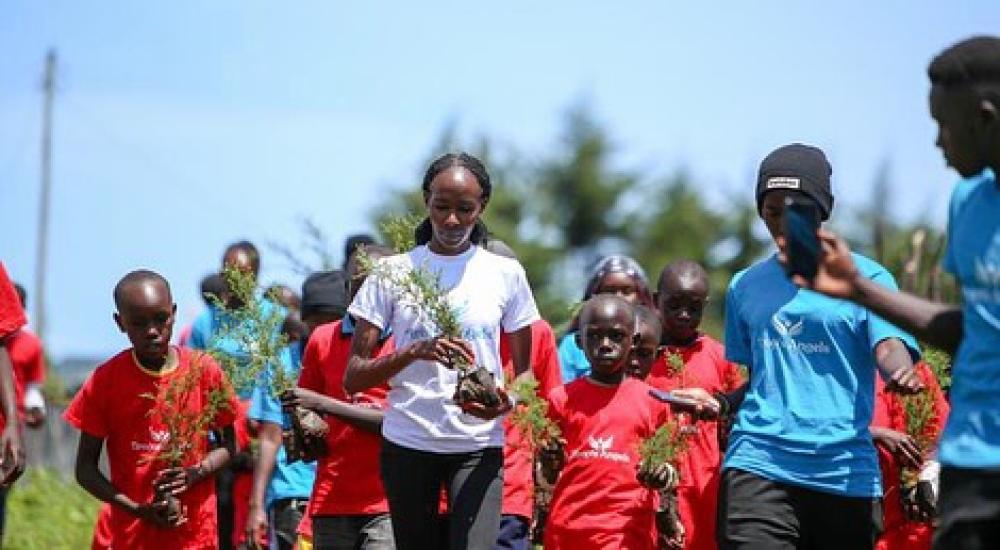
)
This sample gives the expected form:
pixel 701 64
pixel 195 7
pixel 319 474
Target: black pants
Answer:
pixel 413 481
pixel 285 515
pixel 759 514
pixel 970 509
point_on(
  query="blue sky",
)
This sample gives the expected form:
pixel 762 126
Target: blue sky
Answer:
pixel 182 126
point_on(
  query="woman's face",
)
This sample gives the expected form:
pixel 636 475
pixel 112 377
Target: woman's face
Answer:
pixel 454 205
pixel 619 284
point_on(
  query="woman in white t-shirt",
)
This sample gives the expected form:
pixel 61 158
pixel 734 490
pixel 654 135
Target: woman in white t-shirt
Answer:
pixel 428 439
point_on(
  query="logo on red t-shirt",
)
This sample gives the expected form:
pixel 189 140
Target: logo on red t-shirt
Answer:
pixel 600 448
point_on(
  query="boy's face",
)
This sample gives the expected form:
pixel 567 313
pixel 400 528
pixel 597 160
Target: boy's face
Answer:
pixel 146 316
pixel 963 130
pixel 644 352
pixel 606 336
pixel 619 284
pixel 681 301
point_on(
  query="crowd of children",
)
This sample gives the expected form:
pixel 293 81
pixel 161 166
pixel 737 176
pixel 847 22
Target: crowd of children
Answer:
pixel 801 430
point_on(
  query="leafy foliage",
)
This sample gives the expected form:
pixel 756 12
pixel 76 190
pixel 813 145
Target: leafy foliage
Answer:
pixel 186 424
pixel 666 445
pixel 531 414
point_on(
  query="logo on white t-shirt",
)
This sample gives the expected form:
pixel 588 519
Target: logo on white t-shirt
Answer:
pixel 600 448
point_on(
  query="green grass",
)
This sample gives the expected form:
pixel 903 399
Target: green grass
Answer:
pixel 46 510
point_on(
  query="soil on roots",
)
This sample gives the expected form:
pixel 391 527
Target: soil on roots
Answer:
pixel 306 440
pixel 476 385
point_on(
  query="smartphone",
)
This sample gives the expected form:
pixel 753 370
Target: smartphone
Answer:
pixel 802 249
pixel 681 404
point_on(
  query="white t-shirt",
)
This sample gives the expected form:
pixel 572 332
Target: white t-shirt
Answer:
pixel 490 293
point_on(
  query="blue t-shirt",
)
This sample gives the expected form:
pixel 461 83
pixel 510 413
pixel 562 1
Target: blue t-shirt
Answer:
pixel 573 363
pixel 971 437
pixel 211 321
pixel 293 480
pixel 812 381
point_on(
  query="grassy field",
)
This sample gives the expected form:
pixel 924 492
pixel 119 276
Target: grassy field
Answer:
pixel 47 511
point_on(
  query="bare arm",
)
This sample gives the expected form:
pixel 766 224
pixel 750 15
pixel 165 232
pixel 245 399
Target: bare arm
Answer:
pixel 937 324
pixel 365 372
pixel 11 448
pixel 364 418
pixel 520 350
pixel 177 480
pixel 89 476
pixel 270 442
pixel 896 367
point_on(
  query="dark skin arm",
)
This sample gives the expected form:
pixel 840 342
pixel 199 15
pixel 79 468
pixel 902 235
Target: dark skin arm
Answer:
pixel 896 367
pixel 175 481
pixel 11 448
pixel 363 418
pixel 89 476
pixel 270 442
pixel 364 372
pixel 935 323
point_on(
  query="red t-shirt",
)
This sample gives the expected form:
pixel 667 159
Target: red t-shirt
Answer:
pixel 110 406
pixel 26 355
pixel 597 501
pixel 518 481
pixel 347 478
pixel 705 367
pixel 889 412
pixel 11 314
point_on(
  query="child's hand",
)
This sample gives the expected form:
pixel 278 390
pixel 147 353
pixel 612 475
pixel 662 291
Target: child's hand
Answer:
pixel 706 406
pixel 174 481
pixel 901 445
pixel 483 412
pixel 662 477
pixel 11 454
pixel 256 528
pixel 552 456
pixel 301 397
pixel 160 514
pixel 674 541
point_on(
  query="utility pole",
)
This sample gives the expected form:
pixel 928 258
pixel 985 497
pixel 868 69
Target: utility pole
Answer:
pixel 41 256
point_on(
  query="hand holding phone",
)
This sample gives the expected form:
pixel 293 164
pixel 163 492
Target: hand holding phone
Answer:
pixel 802 248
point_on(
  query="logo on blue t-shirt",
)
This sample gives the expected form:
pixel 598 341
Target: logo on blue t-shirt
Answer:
pixel 790 329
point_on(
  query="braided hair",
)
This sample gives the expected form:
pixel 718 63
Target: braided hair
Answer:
pixel 424 231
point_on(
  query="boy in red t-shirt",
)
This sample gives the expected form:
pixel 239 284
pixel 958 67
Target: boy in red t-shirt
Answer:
pixel 598 501
pixel 11 450
pixel 904 529
pixel 111 409
pixel 348 508
pixel 693 360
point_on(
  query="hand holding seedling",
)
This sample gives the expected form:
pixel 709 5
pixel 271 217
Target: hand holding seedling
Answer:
pixel 444 350
pixel 161 514
pixel 174 481
pixel 552 456
pixel 659 477
pixel 905 381
pixel 901 445
pixel 484 412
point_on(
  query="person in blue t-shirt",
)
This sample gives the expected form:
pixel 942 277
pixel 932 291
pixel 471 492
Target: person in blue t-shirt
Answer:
pixel 618 275
pixel 233 482
pixel 281 489
pixel 801 470
pixel 965 103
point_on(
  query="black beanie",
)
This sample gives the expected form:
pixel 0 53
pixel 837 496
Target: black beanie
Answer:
pixel 797 167
pixel 325 292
